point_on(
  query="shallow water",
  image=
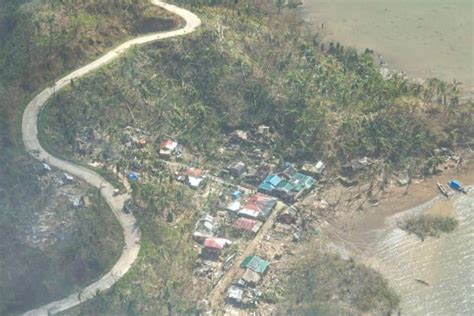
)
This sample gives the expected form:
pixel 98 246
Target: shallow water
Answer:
pixel 446 263
pixel 424 38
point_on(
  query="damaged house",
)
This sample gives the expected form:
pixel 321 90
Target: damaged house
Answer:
pixel 213 246
pixel 287 185
pixel 168 148
pixel 205 227
pixel 194 177
pixel 248 225
pixel 354 166
pixel 236 169
pixel 258 206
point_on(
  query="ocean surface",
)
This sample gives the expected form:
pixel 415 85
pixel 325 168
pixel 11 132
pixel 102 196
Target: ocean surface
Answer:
pixel 423 38
pixel 445 263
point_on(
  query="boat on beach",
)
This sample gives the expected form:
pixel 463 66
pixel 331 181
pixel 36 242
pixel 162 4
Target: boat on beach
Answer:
pixel 443 190
pixel 456 185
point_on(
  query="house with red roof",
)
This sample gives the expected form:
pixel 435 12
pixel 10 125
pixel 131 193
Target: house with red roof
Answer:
pixel 168 148
pixel 258 206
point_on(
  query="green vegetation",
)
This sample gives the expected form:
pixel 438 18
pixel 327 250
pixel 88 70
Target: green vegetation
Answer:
pixel 161 281
pixel 425 225
pixel 42 275
pixel 325 284
pixel 39 40
pixel 323 101
pixel 246 66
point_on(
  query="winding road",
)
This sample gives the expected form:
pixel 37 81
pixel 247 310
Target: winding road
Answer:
pixel 127 221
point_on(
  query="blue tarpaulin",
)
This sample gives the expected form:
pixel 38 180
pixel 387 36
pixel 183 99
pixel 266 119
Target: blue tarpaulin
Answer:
pixel 132 176
pixel 236 195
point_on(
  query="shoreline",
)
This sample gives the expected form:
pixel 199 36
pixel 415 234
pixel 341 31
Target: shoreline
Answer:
pixel 356 229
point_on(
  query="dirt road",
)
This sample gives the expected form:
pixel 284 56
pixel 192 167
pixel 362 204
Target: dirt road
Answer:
pixel 216 297
pixel 127 221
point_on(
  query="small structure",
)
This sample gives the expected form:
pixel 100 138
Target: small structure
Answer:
pixel 205 227
pixel 248 225
pixel 136 165
pixel 316 170
pixel 216 244
pixel 168 148
pixel 251 278
pixel 46 167
pixel 287 185
pixel 258 206
pixel 239 136
pixel 235 295
pixel 263 130
pixel 256 264
pixel 236 195
pixel 86 201
pixel 287 218
pixel 354 166
pixel 76 202
pixel 236 169
pixel 257 176
pixel 194 177
pixel 68 178
pixel 347 182
pixel 141 143
pixel 234 207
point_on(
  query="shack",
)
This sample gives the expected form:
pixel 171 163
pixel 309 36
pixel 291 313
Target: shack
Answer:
pixel 248 225
pixel 236 169
pixel 168 148
pixel 205 227
pixel 194 177
pixel 256 264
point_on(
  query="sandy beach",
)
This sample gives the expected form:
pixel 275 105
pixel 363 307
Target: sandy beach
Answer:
pixel 358 223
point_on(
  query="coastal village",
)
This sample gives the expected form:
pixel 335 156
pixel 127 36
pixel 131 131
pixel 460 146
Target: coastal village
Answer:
pixel 235 158
pixel 255 208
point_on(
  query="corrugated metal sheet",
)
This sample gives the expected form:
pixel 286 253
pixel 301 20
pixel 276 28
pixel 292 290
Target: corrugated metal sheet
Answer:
pixel 255 263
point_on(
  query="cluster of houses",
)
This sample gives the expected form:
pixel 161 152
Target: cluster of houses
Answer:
pixel 245 212
pixel 288 185
pixel 243 291
pixel 247 217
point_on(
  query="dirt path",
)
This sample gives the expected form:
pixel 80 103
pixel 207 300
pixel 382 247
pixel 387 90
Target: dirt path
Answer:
pixel 127 221
pixel 217 294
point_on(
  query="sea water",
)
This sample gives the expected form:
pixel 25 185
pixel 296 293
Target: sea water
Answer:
pixel 423 38
pixel 445 263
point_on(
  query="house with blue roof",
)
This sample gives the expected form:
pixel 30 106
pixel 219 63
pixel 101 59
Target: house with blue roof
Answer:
pixel 287 185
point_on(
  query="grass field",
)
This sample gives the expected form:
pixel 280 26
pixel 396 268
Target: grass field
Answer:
pixel 424 38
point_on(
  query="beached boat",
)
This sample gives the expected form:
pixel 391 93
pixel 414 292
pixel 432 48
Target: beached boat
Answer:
pixel 422 282
pixel 443 190
pixel 456 185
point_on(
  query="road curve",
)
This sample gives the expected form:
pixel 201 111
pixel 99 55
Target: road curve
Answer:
pixel 127 221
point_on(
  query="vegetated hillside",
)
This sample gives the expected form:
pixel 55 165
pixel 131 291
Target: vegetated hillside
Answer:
pixel 38 41
pixel 243 68
pixel 322 100
pixel 317 278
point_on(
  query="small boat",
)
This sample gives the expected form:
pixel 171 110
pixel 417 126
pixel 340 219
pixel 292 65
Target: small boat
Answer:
pixel 456 185
pixel 443 189
pixel 422 282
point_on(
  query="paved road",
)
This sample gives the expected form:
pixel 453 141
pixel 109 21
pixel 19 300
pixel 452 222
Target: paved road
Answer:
pixel 127 221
